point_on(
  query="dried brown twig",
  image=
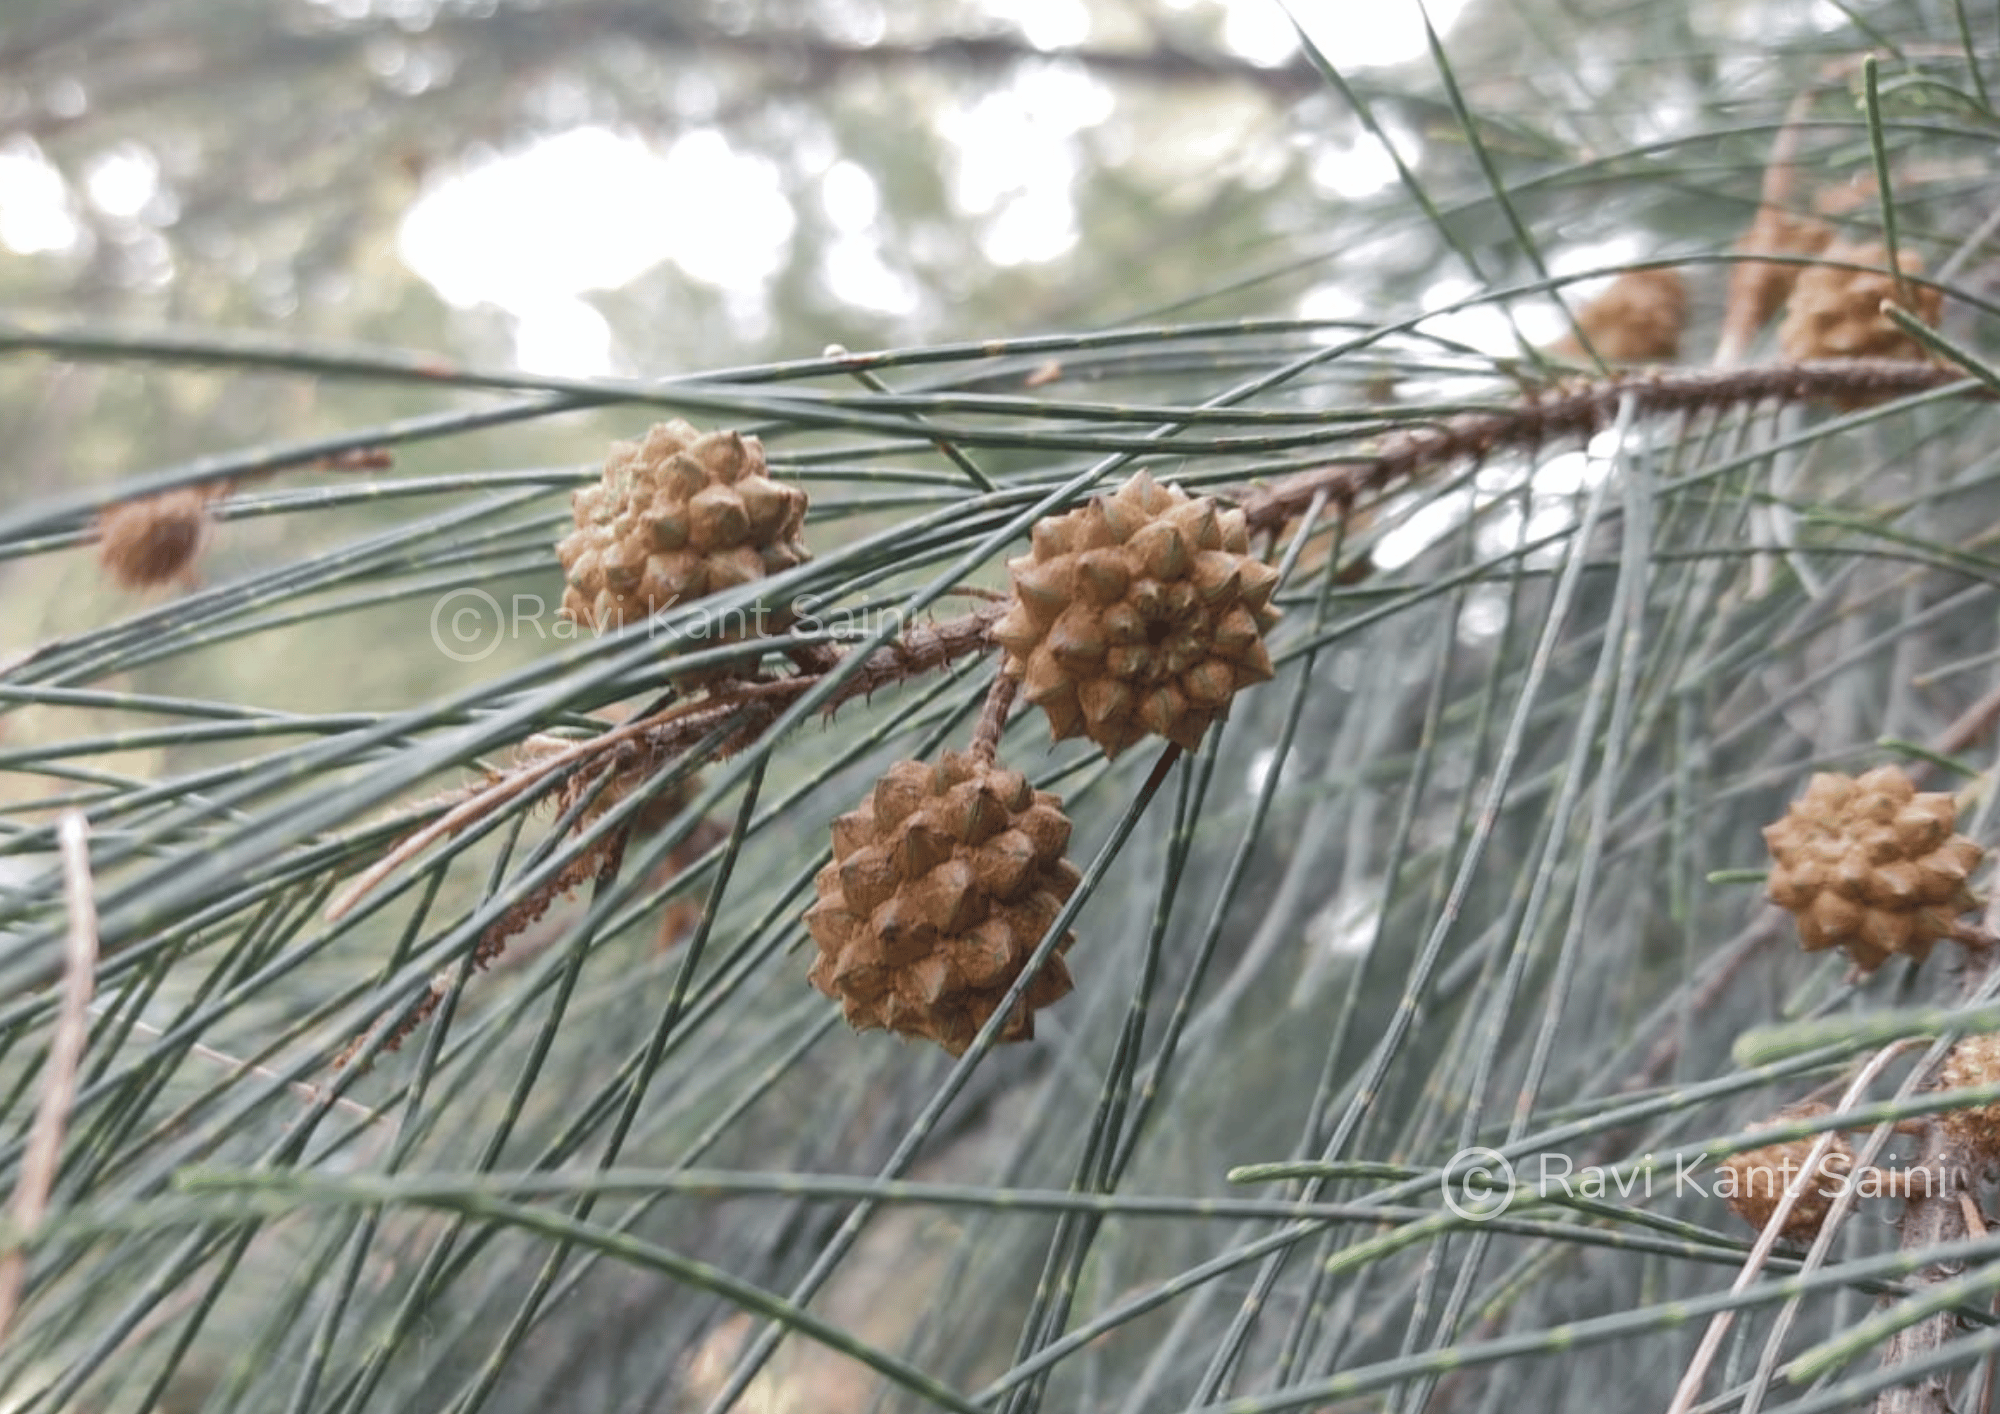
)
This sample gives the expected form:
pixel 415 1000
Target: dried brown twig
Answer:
pixel 748 707
pixel 43 1155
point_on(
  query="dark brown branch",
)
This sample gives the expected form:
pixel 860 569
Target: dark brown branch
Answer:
pixel 993 717
pixel 133 66
pixel 1575 412
pixel 1578 412
pixel 752 707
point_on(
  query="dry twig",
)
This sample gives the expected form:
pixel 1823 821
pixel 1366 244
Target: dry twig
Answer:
pixel 66 1043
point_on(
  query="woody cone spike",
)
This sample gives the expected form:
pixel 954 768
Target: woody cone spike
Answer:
pixel 1753 1182
pixel 1973 1062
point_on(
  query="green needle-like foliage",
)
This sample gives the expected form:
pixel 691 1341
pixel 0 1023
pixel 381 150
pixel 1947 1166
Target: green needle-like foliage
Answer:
pixel 403 988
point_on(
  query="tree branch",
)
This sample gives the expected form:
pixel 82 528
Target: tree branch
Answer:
pixel 134 65
pixel 1929 1220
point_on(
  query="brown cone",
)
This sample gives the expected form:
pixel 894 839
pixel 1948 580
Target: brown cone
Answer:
pixel 1836 313
pixel 677 516
pixel 942 884
pixel 1142 612
pixel 1973 1061
pixel 1638 319
pixel 1869 865
pixel 1752 1182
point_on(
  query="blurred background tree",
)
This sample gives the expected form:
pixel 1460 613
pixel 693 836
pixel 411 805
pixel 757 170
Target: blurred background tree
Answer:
pixel 415 1078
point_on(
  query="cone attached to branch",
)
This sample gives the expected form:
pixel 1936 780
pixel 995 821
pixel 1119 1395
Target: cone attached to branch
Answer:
pixel 1142 612
pixel 1752 1182
pixel 1973 1061
pixel 1870 865
pixel 1837 313
pixel 678 515
pixel 1638 318
pixel 941 886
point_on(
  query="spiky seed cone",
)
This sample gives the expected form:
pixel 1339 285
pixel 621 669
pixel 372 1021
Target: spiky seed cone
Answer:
pixel 941 885
pixel 1973 1061
pixel 1638 319
pixel 1870 865
pixel 677 515
pixel 1752 1182
pixel 1836 313
pixel 1142 612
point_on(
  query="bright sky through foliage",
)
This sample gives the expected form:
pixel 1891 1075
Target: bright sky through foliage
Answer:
pixel 534 231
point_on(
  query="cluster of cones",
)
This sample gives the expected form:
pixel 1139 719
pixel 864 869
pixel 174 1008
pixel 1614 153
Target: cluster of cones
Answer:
pixel 1831 291
pixel 1141 613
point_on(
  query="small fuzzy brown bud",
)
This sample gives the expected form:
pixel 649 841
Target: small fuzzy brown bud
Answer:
pixel 155 539
pixel 1870 865
pixel 1758 289
pixel 1837 313
pixel 942 884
